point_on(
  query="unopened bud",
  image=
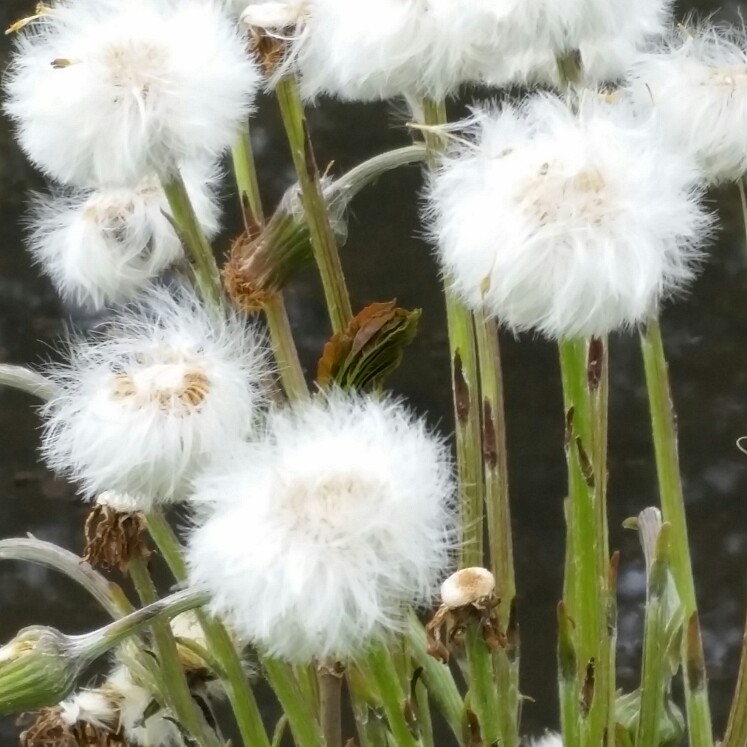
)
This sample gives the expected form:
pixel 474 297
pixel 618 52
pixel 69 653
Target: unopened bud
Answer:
pixel 466 587
pixel 38 667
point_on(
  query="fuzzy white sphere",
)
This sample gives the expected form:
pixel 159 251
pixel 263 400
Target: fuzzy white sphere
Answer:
pixel 562 224
pixel 697 86
pixel 376 49
pixel 318 537
pixel 104 91
pixel 102 246
pixel 149 399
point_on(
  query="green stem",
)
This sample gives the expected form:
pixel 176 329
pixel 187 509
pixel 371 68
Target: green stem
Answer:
pixel 736 729
pixel 379 665
pixel 317 215
pixel 178 694
pixel 330 703
pixel 568 681
pixel 673 511
pixel 438 679
pixel 285 350
pixel 303 723
pixel 202 259
pixel 653 677
pixel 583 368
pixel 482 686
pixel 281 336
pixel 245 171
pixel 495 458
pixel 742 184
pixel 238 689
pixel 465 387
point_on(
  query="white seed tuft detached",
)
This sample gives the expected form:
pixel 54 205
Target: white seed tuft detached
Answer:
pixel 568 225
pixel 148 400
pixel 316 539
pixel 466 587
pixel 104 91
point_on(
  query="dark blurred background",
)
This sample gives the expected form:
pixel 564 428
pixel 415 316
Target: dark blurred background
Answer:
pixel 384 258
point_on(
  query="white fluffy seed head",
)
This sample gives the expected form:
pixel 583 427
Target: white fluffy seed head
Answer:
pixel 696 84
pixel 566 225
pixel 149 399
pixel 467 586
pixel 102 246
pixel 377 49
pixel 104 91
pixel 550 739
pixel 317 538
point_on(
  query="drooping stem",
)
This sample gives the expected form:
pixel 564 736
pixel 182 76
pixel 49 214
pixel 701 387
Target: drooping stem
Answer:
pixel 465 386
pixel 178 694
pixel 495 460
pixel 238 689
pixel 202 260
pixel 584 370
pixel 330 702
pixel 317 215
pixel 28 381
pixel 664 430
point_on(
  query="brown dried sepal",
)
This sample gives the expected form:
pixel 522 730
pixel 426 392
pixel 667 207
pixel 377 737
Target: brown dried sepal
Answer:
pixel 49 730
pixel 242 276
pixel 448 626
pixel 269 49
pixel 369 349
pixel 114 538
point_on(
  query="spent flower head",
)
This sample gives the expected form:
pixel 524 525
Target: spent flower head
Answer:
pixel 318 537
pixel 150 397
pixel 103 245
pixel 104 91
pixel 566 223
pixel 696 84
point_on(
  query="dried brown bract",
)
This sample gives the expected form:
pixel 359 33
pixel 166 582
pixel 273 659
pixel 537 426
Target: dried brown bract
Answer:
pixel 114 538
pixel 50 730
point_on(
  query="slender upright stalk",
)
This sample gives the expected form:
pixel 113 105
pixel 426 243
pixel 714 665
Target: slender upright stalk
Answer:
pixel 202 260
pixel 245 172
pixel 330 696
pixel 495 460
pixel 281 336
pixel 482 686
pixel 736 729
pixel 178 693
pixel 664 431
pixel 584 370
pixel 317 215
pixel 303 723
pixel 465 387
pixel 742 184
pixel 378 663
pixel 238 689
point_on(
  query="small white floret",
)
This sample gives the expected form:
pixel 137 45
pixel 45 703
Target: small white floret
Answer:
pixel 550 739
pixel 147 401
pixel 467 586
pixel 568 225
pixel 104 91
pixel 104 245
pixel 317 539
pixel 697 86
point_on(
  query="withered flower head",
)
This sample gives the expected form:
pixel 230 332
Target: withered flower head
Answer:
pixel 468 598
